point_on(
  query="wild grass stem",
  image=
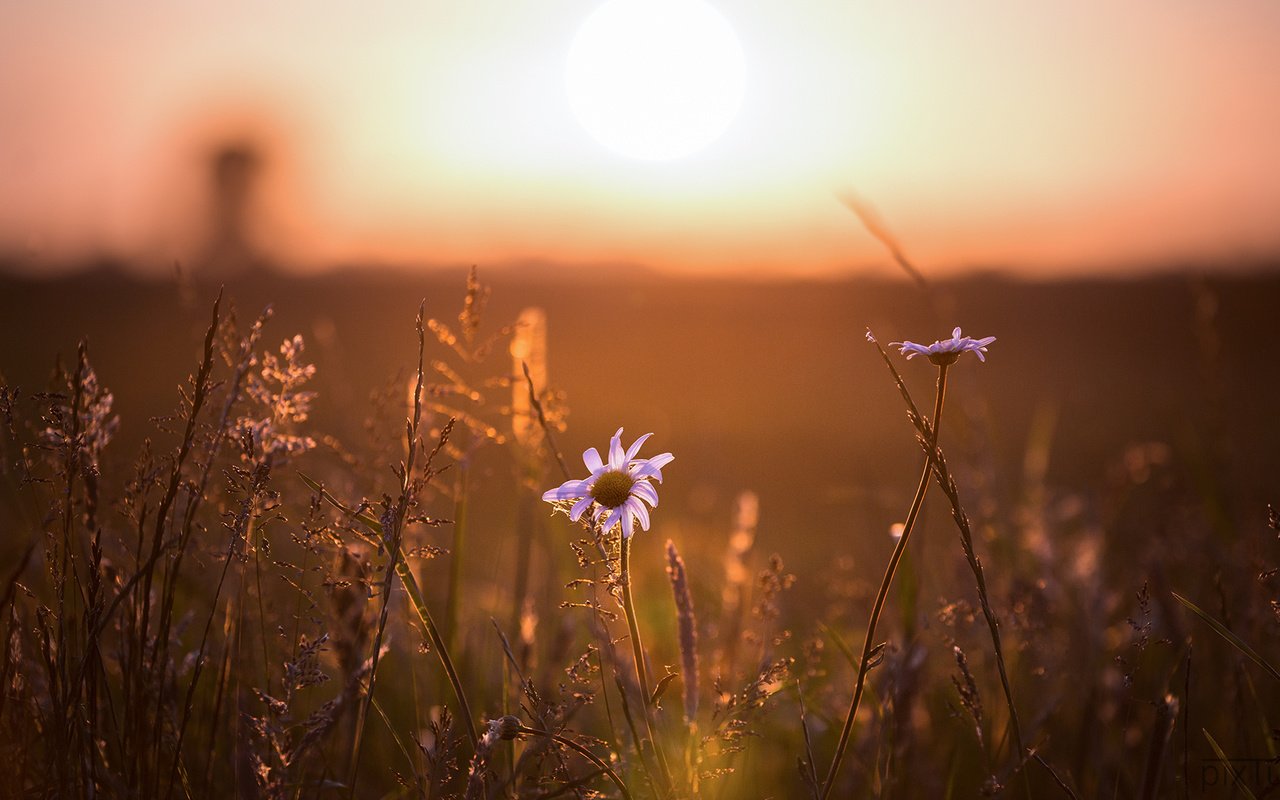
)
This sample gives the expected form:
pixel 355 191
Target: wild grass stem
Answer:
pixel 877 608
pixel 396 517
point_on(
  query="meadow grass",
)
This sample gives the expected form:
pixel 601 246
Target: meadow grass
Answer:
pixel 254 608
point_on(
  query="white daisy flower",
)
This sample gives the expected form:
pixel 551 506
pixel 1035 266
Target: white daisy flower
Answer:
pixel 945 351
pixel 618 489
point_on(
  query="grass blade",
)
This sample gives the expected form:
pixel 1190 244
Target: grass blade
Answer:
pixel 1222 757
pixel 1225 633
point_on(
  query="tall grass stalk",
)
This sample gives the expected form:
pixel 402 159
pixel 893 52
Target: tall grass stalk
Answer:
pixel 391 532
pixel 869 647
pixel 219 438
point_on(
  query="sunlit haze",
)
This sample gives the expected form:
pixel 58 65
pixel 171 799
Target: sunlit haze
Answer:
pixel 1042 138
pixel 655 79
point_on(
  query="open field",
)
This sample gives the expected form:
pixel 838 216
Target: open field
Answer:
pixel 1120 444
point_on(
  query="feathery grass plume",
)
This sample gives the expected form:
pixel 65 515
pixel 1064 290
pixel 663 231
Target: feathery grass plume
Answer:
pixel 283 410
pixel 971 701
pixel 687 624
pixel 476 777
pixel 460 388
pixel 267 438
pixel 460 391
pixel 439 747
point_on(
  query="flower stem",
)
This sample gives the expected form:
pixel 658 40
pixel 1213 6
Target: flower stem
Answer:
pixel 877 608
pixel 642 674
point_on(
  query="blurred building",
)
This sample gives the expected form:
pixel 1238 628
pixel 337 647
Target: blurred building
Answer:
pixel 230 249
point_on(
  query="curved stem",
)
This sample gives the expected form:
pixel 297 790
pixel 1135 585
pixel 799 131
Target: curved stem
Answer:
pixel 585 753
pixel 637 651
pixel 878 607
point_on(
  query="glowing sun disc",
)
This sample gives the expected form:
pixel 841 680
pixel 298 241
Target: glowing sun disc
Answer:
pixel 655 79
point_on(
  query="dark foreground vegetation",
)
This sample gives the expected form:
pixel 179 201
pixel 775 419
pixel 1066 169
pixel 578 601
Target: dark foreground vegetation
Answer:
pixel 302 552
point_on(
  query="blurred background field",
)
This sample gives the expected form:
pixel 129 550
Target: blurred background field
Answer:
pixel 761 386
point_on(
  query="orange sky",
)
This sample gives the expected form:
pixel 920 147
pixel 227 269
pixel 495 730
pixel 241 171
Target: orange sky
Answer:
pixel 1049 137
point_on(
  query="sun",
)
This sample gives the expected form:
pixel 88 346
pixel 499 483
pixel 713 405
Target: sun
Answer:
pixel 655 79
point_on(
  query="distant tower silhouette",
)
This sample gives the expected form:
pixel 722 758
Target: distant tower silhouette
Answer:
pixel 233 175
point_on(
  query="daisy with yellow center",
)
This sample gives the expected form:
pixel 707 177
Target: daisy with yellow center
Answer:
pixel 617 489
pixel 944 352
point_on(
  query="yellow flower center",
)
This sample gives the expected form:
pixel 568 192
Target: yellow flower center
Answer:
pixel 612 488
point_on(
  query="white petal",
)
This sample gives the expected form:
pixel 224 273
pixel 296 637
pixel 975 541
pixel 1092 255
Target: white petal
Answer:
pixel 641 513
pixel 610 520
pixel 592 459
pixel 616 452
pixel 582 505
pixel 661 460
pixel 569 490
pixel 628 524
pixel 955 333
pixel 635 446
pixel 646 468
pixel 646 492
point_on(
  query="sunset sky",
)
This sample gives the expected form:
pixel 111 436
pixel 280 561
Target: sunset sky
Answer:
pixel 1042 137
